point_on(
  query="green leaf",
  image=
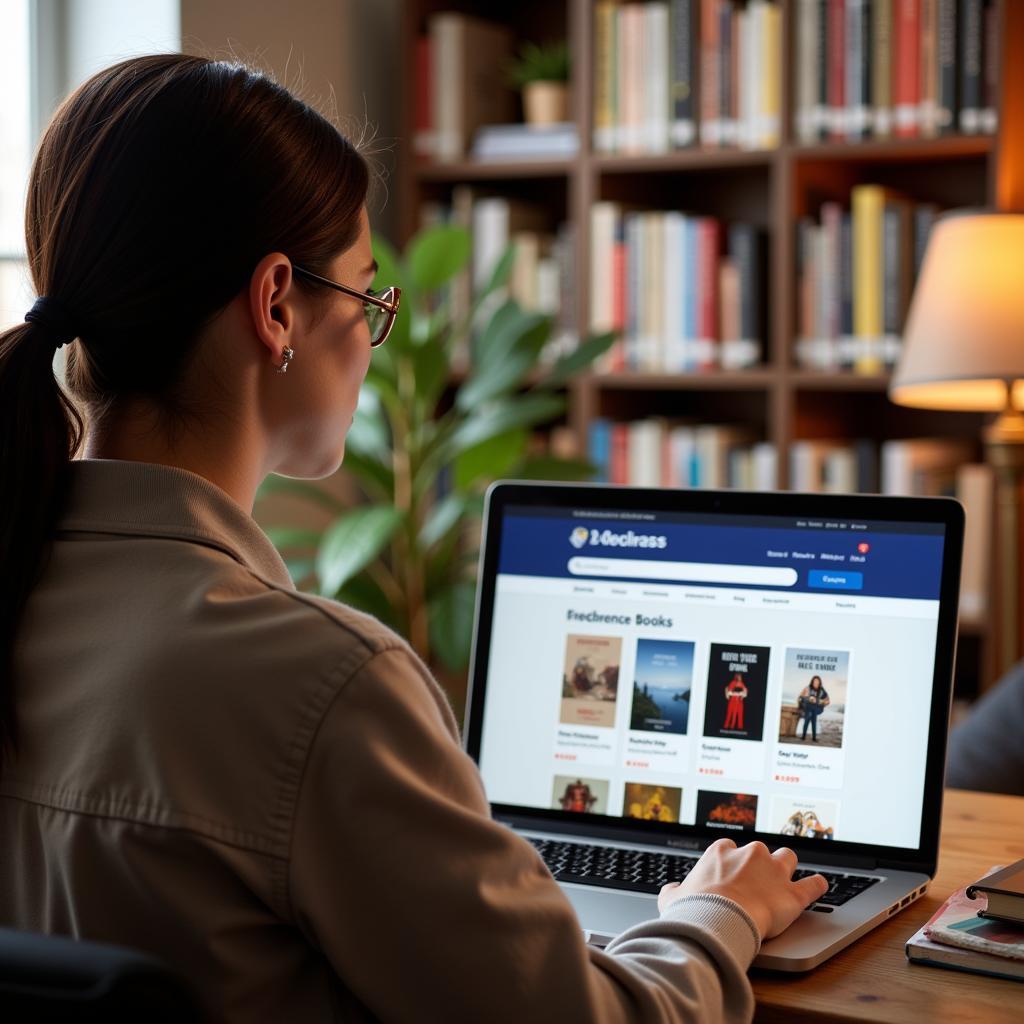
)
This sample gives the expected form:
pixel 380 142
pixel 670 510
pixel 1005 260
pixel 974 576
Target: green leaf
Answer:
pixel 437 255
pixel 351 543
pixel 500 275
pixel 520 411
pixel 547 467
pixel 376 478
pixel 389 265
pixel 491 459
pixel 442 517
pixel 283 537
pixel 451 624
pixel 430 371
pixel 363 593
pixel 578 360
pixel 275 484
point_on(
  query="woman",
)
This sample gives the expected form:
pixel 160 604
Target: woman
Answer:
pixel 262 786
pixel 813 701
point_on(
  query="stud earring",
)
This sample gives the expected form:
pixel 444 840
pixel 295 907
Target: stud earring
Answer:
pixel 287 354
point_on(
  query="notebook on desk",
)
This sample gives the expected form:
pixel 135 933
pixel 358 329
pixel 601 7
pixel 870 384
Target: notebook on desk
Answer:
pixel 653 670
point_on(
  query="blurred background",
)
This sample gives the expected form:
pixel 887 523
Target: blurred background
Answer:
pixel 696 232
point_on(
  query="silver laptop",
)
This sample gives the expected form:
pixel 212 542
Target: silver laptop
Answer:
pixel 653 670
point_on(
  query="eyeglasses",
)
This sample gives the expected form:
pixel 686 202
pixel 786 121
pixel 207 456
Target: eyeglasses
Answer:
pixel 380 307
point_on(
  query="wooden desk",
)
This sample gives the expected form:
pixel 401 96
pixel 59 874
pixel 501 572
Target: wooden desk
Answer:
pixel 872 980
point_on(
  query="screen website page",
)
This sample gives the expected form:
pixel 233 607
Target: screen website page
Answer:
pixel 769 674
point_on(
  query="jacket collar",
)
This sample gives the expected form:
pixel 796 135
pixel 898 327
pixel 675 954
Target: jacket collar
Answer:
pixel 114 496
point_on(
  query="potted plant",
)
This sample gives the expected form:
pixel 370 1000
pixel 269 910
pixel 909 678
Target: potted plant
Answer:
pixel 423 448
pixel 541 73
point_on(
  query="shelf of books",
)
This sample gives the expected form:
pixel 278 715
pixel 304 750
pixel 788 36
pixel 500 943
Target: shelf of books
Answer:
pixel 743 192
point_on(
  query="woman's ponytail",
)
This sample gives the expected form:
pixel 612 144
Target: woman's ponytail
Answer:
pixel 40 431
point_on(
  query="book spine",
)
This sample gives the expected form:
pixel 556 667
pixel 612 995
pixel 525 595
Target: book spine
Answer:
pixel 745 252
pixel 821 72
pixel 805 310
pixel 907 76
pixel 867 203
pixel 446 36
pixel 945 101
pixel 618 467
pixel 924 219
pixel 772 71
pixel 735 75
pixel 656 70
pixel 806 41
pixel 891 270
pixel 929 69
pixel 604 76
pixel 970 65
pixel 856 116
pixel 725 72
pixel 846 343
pixel 881 67
pixel 710 116
pixel 682 132
pixel 707 326
pixel 837 69
pixel 990 102
pixel 423 137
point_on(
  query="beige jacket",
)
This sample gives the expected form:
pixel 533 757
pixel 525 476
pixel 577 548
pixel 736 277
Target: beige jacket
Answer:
pixel 266 789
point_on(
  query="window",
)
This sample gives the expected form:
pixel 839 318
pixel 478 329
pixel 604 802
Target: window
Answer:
pixel 15 156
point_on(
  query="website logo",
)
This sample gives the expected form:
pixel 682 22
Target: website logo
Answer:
pixel 579 536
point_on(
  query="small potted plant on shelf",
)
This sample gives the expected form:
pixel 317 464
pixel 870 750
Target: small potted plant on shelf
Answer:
pixel 425 443
pixel 541 73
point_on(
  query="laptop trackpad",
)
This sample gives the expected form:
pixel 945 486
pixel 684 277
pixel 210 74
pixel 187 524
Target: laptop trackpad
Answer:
pixel 604 913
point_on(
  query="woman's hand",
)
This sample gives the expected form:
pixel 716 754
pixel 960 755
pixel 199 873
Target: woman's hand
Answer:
pixel 759 881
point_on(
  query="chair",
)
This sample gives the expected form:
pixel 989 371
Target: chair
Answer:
pixel 49 978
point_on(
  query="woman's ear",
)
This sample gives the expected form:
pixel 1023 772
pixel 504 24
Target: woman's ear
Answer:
pixel 271 303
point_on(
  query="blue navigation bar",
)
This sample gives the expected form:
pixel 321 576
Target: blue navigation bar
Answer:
pixel 825 579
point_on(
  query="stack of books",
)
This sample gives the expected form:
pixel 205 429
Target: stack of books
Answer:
pixel 461 84
pixel 904 68
pixel 496 142
pixel 647 60
pixel 978 929
pixel 680 303
pixel 659 453
pixel 543 271
pixel 856 272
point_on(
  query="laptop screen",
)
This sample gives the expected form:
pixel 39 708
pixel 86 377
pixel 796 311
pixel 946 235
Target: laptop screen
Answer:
pixel 741 673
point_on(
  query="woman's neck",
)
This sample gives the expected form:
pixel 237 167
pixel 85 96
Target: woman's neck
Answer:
pixel 136 434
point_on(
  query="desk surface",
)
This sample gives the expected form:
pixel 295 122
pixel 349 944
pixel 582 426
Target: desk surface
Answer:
pixel 872 980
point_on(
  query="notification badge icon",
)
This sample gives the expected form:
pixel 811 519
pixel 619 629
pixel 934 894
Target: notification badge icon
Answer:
pixel 863 547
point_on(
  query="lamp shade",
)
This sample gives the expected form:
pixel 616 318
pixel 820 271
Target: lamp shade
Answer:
pixel 964 340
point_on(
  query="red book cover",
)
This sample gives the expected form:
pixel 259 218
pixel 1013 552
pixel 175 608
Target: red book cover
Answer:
pixel 618 352
pixel 423 141
pixel 837 69
pixel 708 248
pixel 618 470
pixel 710 115
pixel 906 68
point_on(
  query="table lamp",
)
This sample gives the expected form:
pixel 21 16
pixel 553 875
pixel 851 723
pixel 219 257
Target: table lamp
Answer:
pixel 963 349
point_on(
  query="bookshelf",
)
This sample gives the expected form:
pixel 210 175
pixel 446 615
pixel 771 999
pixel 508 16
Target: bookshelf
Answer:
pixel 779 401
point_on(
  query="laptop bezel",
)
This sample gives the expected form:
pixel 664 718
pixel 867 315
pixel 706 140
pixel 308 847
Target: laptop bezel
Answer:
pixel 606 498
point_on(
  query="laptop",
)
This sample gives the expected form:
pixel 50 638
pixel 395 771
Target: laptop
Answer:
pixel 653 670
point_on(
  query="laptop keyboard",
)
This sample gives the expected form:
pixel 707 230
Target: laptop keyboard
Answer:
pixel 646 871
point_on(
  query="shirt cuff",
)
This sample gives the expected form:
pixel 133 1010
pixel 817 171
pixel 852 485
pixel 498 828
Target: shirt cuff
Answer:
pixel 723 918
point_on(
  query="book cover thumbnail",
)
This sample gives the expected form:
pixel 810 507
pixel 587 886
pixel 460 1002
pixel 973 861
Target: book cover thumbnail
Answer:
pixel 814 697
pixel 590 682
pixel 737 684
pixel 734 811
pixel 661 686
pixel 809 819
pixel 652 803
pixel 580 796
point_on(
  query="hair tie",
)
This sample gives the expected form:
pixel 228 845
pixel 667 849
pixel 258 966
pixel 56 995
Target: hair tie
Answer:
pixel 54 319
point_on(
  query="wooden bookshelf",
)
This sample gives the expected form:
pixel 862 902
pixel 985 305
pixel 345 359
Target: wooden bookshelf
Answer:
pixel 771 188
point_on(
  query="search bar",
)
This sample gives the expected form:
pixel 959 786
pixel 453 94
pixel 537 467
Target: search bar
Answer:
pixel 683 572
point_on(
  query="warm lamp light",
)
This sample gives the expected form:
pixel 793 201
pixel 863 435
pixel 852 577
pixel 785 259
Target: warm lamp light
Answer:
pixel 963 349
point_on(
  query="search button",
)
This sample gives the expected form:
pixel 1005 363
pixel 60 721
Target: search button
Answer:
pixel 825 579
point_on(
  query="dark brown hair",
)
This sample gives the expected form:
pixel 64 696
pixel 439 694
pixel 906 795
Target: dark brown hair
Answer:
pixel 157 188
